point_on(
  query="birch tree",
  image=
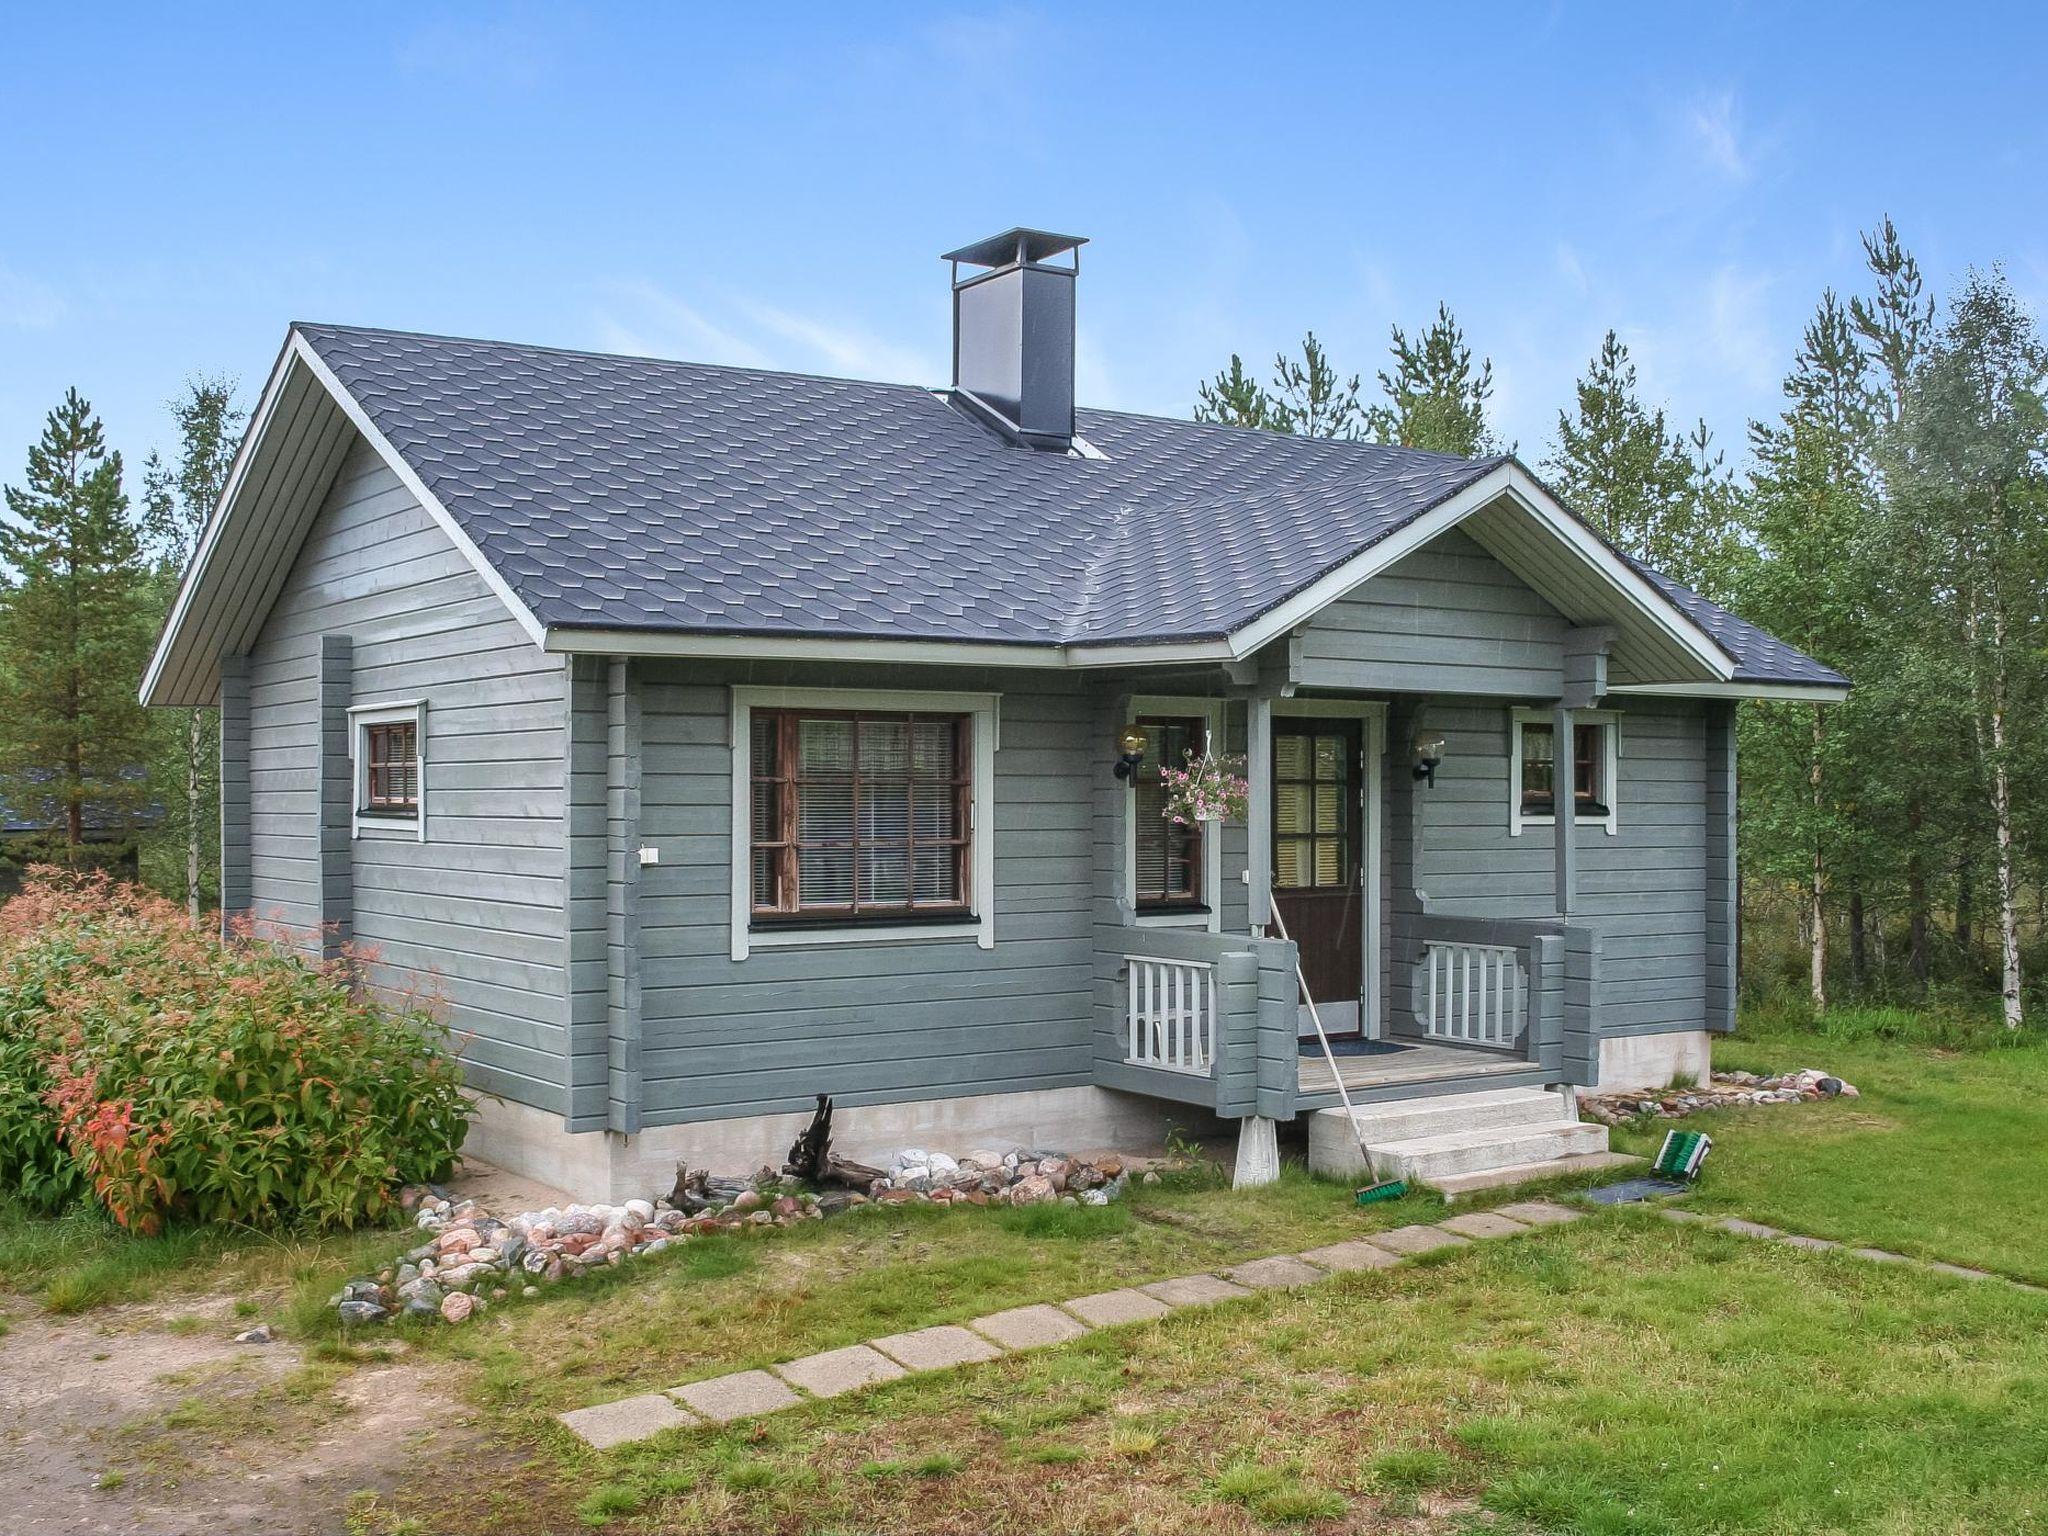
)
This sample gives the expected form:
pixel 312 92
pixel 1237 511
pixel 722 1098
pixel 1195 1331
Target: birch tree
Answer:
pixel 177 501
pixel 1969 509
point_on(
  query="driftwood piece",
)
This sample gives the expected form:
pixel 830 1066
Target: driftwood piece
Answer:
pixel 839 1170
pixel 810 1152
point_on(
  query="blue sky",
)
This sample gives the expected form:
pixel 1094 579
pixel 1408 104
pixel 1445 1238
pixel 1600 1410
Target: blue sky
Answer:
pixel 772 185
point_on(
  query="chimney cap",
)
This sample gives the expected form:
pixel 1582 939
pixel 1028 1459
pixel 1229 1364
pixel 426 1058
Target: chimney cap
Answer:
pixel 1013 246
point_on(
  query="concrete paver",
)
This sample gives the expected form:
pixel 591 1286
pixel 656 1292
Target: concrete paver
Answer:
pixel 1356 1254
pixel 738 1396
pixel 936 1349
pixel 1194 1290
pixel 1411 1240
pixel 1482 1224
pixel 839 1370
pixel 630 1418
pixel 1276 1273
pixel 1029 1327
pixel 1107 1309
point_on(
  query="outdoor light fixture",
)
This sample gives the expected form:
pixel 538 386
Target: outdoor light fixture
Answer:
pixel 1132 743
pixel 1429 752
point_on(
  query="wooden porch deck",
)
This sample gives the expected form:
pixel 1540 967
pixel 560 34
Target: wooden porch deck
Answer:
pixel 1418 1061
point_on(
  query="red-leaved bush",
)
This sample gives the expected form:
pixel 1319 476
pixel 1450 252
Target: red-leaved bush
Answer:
pixel 168 1073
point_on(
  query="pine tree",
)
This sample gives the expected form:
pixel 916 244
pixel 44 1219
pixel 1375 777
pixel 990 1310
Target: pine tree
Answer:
pixel 1235 399
pixel 1617 466
pixel 177 503
pixel 1308 396
pixel 1434 397
pixel 74 628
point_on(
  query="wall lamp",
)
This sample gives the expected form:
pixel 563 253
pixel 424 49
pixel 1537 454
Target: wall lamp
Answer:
pixel 1429 754
pixel 1131 745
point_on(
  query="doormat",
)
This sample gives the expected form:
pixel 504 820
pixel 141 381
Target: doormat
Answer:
pixel 1311 1046
pixel 1628 1191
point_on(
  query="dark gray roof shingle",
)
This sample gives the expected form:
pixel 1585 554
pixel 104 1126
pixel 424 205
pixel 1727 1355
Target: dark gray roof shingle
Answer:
pixel 634 493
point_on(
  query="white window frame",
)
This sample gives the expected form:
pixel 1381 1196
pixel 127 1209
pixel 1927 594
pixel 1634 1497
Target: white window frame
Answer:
pixel 388 712
pixel 1610 767
pixel 985 711
pixel 1210 712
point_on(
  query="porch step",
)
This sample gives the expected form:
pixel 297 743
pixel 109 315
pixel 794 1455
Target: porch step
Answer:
pixel 1456 1185
pixel 1407 1119
pixel 1427 1158
pixel 1459 1136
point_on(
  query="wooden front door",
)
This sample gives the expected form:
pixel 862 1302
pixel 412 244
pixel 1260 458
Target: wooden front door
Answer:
pixel 1318 843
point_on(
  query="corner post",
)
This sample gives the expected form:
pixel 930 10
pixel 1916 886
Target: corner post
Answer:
pixel 622 910
pixel 1724 911
pixel 1259 811
pixel 337 797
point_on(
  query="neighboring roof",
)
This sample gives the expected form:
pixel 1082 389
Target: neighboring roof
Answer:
pixel 639 496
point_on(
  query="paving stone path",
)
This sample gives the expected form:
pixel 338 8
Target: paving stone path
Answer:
pixel 744 1394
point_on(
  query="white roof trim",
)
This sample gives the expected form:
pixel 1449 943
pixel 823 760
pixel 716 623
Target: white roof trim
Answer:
pixel 1513 482
pixel 1793 693
pixel 360 419
pixel 298 350
pixel 259 420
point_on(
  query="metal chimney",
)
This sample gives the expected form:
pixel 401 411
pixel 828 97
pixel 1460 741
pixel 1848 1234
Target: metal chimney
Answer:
pixel 1013 335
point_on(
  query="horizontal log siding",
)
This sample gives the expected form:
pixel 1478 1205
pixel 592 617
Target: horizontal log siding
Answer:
pixel 1643 889
pixel 1448 618
pixel 474 914
pixel 867 1023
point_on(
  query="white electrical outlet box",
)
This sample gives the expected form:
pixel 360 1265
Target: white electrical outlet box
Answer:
pixel 649 856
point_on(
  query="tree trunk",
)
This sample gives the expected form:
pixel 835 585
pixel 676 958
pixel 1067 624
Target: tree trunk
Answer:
pixel 1816 896
pixel 1859 953
pixel 2001 814
pixel 1916 898
pixel 1966 870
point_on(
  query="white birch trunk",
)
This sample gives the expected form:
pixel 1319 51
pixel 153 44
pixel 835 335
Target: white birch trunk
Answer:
pixel 2001 811
pixel 1818 926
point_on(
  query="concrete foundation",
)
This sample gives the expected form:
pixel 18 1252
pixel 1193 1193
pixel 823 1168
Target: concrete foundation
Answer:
pixel 1654 1061
pixel 603 1165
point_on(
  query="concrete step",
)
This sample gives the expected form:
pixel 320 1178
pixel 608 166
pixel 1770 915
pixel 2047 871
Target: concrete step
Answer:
pixel 1333 1146
pixel 1424 1159
pixel 1455 1186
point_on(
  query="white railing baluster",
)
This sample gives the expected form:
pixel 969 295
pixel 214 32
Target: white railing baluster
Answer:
pixel 1473 993
pixel 1173 1012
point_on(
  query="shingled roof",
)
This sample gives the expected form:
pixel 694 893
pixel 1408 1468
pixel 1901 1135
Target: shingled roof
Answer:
pixel 624 496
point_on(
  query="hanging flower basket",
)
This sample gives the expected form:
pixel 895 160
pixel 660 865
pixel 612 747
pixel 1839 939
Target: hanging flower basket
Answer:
pixel 1207 789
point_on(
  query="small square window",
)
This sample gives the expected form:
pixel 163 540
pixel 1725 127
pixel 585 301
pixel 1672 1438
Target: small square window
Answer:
pixel 388 747
pixel 1535 770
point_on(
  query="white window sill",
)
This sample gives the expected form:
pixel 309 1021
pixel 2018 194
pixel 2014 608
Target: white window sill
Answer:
pixel 907 933
pixel 1174 919
pixel 1609 823
pixel 408 829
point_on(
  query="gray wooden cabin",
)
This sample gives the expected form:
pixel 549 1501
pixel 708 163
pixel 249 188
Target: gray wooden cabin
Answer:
pixel 708 739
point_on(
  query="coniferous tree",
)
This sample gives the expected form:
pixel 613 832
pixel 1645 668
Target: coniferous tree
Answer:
pixel 1618 466
pixel 1435 398
pixel 75 626
pixel 1307 398
pixel 177 501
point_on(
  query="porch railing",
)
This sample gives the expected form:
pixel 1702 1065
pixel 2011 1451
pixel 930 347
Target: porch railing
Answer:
pixel 1170 1014
pixel 1474 994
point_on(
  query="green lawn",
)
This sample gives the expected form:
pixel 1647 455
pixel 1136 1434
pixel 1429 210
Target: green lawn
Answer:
pixel 1945 1155
pixel 1622 1375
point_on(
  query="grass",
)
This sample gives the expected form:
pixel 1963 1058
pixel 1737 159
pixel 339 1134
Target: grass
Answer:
pixel 1941 1157
pixel 82 1260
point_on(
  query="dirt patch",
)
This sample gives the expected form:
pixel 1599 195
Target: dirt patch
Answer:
pixel 113 1423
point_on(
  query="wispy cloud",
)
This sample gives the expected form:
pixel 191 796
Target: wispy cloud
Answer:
pixel 644 318
pixel 1714 127
pixel 28 303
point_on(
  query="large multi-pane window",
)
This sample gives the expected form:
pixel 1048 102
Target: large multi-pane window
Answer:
pixel 858 815
pixel 1168 865
pixel 1312 798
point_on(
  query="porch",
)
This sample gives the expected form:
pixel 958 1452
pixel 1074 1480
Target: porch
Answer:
pixel 1213 1020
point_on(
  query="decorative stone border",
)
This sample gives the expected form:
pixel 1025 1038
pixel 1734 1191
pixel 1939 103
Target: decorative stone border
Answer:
pixel 745 1394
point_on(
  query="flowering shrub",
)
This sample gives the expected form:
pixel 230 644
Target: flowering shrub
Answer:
pixel 166 1072
pixel 1209 789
